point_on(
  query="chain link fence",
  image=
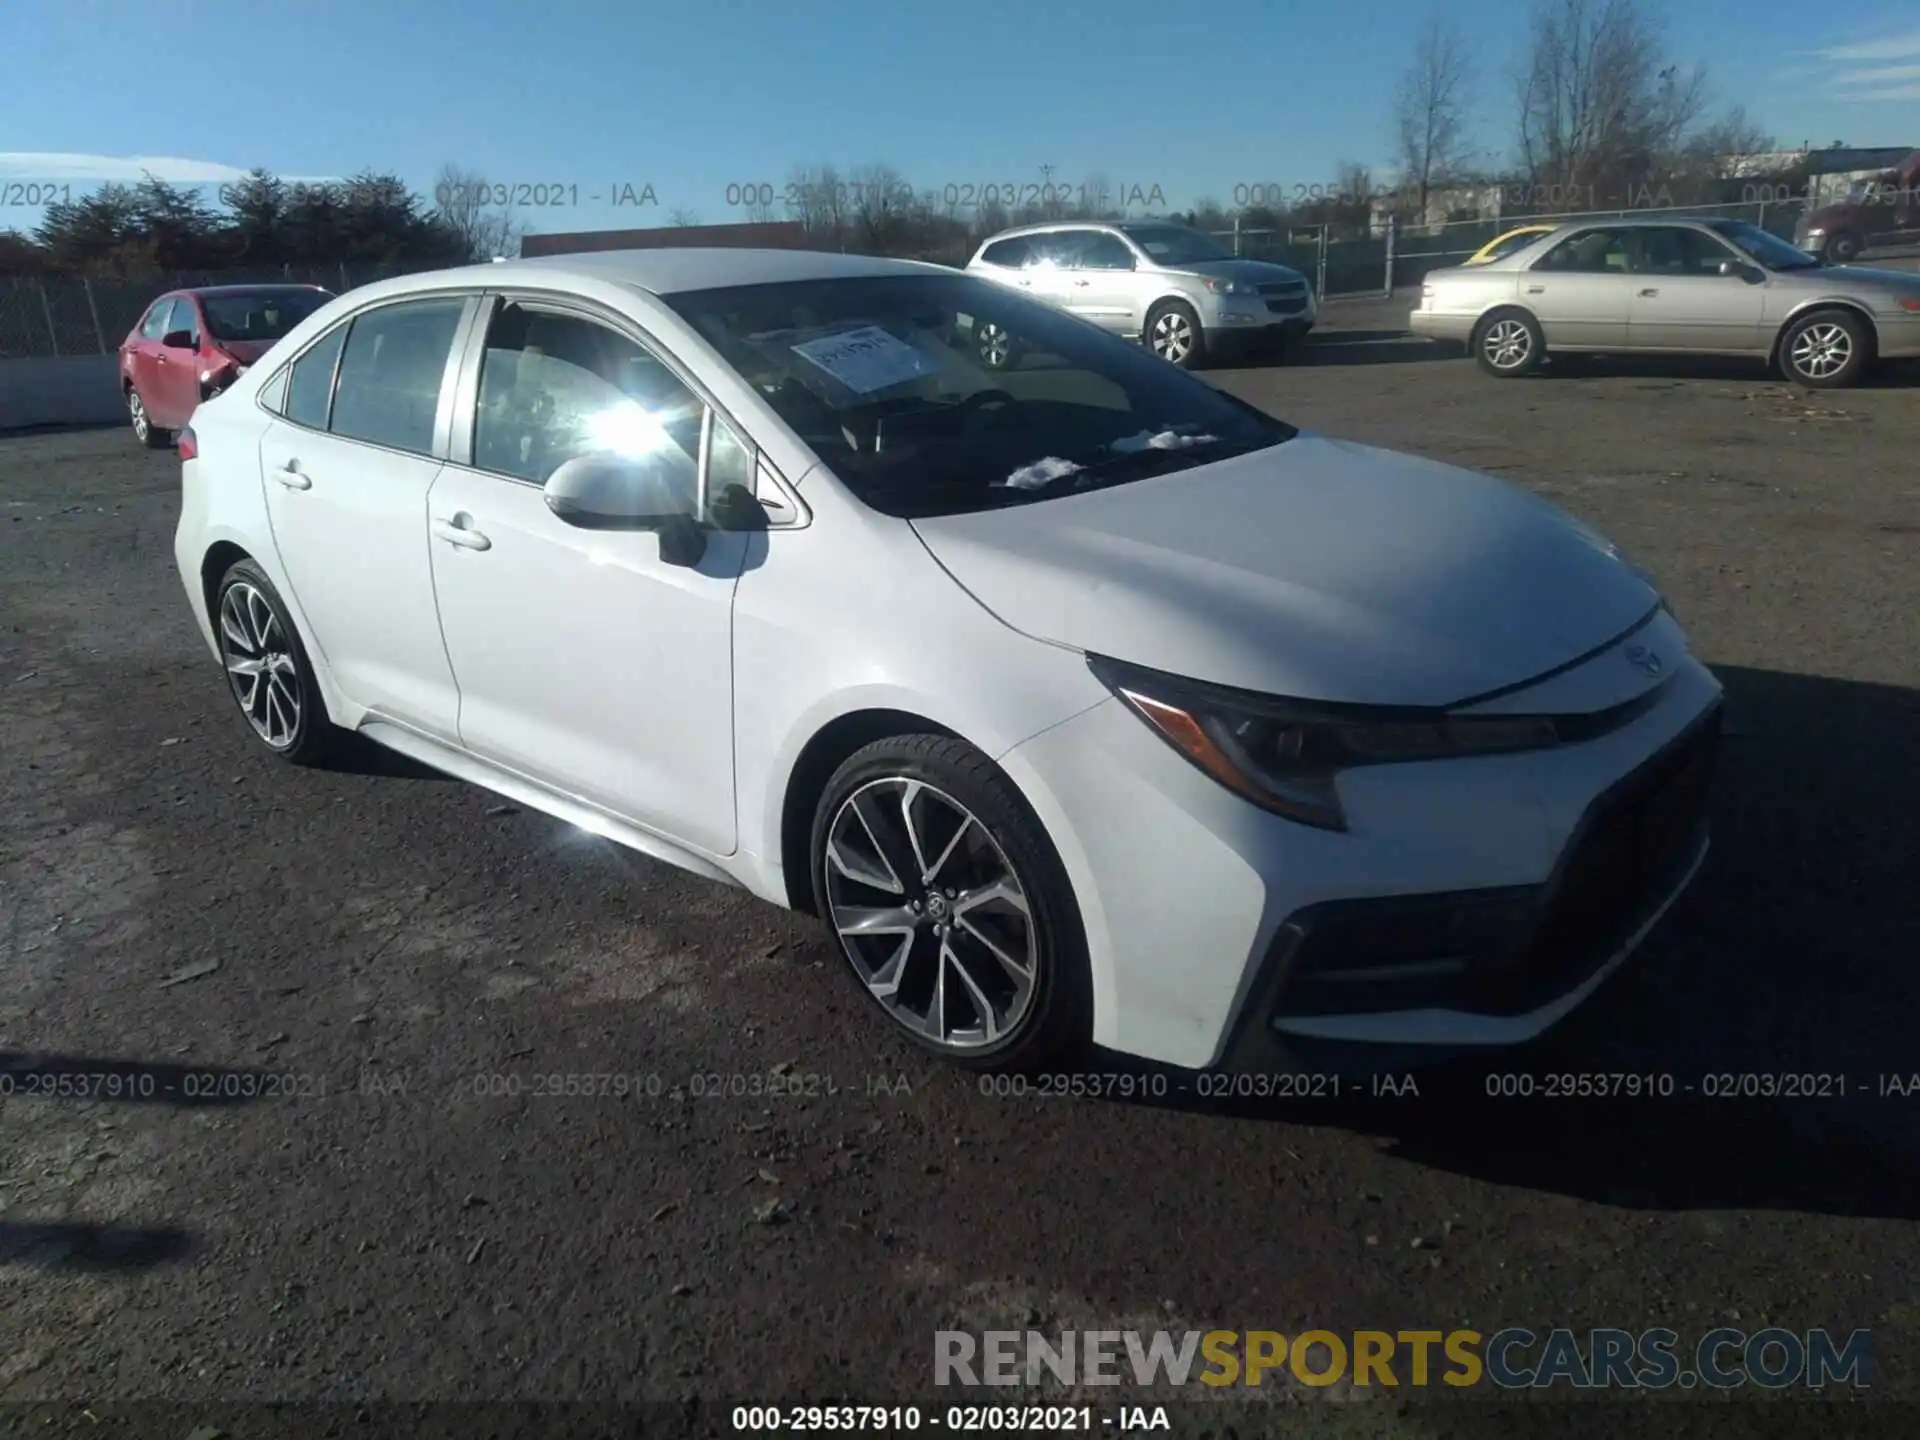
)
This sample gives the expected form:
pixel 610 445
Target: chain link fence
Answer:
pixel 68 316
pixel 1342 262
pixel 64 316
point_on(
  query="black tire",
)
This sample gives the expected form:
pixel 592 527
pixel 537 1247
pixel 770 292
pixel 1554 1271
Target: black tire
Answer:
pixel 1816 339
pixel 1524 348
pixel 1056 1021
pixel 995 346
pixel 1179 319
pixel 144 430
pixel 1843 247
pixel 312 738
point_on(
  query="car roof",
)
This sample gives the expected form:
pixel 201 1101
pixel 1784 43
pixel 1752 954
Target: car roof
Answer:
pixel 670 271
pixel 265 287
pixel 1049 227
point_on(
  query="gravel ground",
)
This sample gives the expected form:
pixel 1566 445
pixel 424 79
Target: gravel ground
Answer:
pixel 328 996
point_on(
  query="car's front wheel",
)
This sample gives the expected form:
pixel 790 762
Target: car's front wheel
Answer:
pixel 144 430
pixel 996 346
pixel 1842 248
pixel 1826 350
pixel 268 670
pixel 1174 333
pixel 950 904
pixel 1509 343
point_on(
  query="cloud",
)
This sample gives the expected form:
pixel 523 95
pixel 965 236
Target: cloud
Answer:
pixel 1881 75
pixel 1898 92
pixel 52 165
pixel 1893 47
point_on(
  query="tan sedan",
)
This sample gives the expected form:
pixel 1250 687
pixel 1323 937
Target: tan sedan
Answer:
pixel 1674 287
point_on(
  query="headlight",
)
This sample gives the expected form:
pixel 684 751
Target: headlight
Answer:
pixel 1814 232
pixel 1230 287
pixel 1283 755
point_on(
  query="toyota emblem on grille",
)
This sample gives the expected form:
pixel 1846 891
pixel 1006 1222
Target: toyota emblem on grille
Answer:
pixel 1641 658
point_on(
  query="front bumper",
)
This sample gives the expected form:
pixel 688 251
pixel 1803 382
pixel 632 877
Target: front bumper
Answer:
pixel 1250 321
pixel 1217 931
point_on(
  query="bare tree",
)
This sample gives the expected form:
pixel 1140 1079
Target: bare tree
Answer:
pixel 464 202
pixel 1433 111
pixel 681 218
pixel 1600 107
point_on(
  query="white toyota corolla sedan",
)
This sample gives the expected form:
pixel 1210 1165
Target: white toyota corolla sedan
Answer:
pixel 1080 700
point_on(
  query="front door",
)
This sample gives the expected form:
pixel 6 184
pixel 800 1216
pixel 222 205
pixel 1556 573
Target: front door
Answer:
pixel 346 471
pixel 1581 291
pixel 1101 283
pixel 175 390
pixel 585 659
pixel 1681 301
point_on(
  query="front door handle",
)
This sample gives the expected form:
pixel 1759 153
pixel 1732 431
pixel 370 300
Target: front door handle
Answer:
pixel 1648 294
pixel 459 531
pixel 1083 282
pixel 289 475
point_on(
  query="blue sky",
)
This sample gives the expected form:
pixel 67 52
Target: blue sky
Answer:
pixel 688 99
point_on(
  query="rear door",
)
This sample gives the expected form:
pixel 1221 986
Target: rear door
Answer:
pixel 140 364
pixel 347 465
pixel 1681 301
pixel 1581 291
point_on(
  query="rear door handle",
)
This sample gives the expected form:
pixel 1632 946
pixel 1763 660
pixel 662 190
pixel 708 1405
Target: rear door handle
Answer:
pixel 291 477
pixel 455 532
pixel 1648 294
pixel 1083 282
pixel 1536 289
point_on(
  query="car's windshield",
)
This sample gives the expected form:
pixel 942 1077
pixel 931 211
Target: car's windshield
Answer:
pixel 938 395
pixel 1507 244
pixel 1175 244
pixel 1768 249
pixel 259 315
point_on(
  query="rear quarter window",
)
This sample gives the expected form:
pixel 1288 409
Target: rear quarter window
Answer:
pixel 1008 254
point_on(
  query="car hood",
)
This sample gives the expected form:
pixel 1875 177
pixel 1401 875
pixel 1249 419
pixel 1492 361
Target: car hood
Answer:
pixel 1316 569
pixel 1254 271
pixel 1901 280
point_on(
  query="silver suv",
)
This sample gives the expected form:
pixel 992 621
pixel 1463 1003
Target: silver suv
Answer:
pixel 1176 289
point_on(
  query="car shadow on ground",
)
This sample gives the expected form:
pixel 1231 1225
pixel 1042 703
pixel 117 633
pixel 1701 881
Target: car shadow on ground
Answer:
pixel 357 755
pixel 64 1245
pixel 1344 347
pixel 1888 375
pixel 1792 955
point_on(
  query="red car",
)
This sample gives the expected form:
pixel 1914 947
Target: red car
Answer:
pixel 192 344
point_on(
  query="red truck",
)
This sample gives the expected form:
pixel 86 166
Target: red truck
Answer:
pixel 1882 211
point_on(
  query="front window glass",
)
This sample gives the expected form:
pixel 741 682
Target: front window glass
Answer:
pixel 155 325
pixel 939 395
pixel 554 387
pixel 1176 245
pixel 266 316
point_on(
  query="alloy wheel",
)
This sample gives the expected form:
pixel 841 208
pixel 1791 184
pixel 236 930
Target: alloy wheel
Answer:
pixel 1172 338
pixel 260 664
pixel 931 913
pixel 142 426
pixel 1507 344
pixel 1821 351
pixel 995 345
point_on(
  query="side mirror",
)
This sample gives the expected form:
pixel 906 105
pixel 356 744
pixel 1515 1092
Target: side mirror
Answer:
pixel 1749 273
pixel 178 340
pixel 657 492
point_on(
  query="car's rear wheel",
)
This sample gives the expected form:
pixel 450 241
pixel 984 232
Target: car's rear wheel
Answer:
pixel 268 670
pixel 950 904
pixel 1843 247
pixel 144 430
pixel 996 346
pixel 1509 343
pixel 1826 350
pixel 1174 333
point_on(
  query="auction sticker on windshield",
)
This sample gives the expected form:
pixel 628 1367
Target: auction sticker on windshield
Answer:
pixel 866 359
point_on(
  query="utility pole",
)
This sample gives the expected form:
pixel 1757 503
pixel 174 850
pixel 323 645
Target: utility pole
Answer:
pixel 1050 203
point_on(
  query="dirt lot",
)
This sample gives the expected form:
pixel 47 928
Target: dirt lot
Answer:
pixel 314 989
